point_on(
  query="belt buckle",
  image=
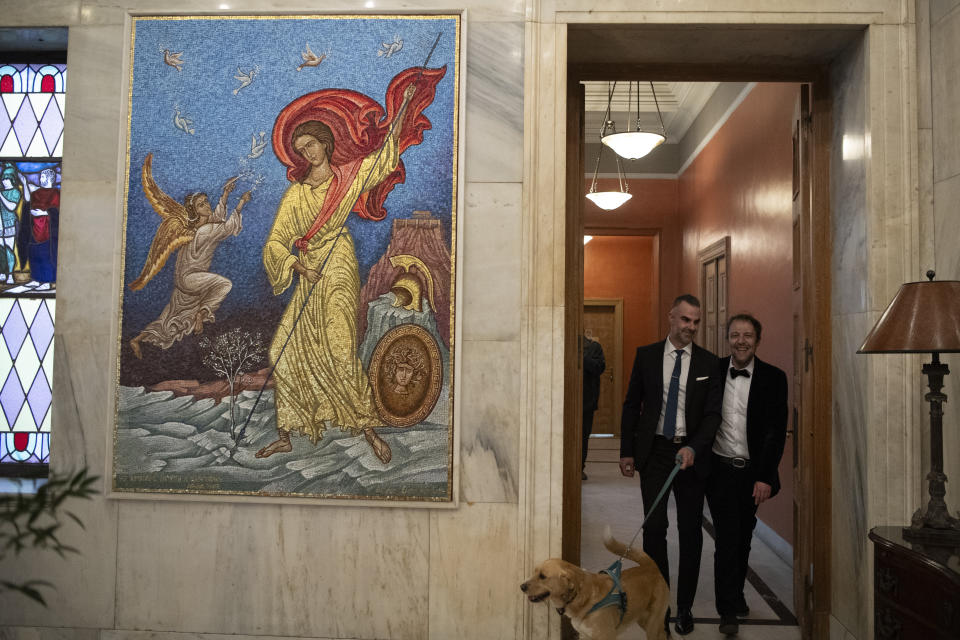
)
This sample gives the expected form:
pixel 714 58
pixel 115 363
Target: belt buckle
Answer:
pixel 677 439
pixel 738 463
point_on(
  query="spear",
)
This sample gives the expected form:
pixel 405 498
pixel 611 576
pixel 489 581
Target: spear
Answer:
pixel 383 451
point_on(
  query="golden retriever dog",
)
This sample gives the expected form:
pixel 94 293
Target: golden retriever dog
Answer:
pixel 574 592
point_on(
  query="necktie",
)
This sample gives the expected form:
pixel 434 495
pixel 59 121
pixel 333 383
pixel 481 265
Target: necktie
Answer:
pixel 734 373
pixel 673 392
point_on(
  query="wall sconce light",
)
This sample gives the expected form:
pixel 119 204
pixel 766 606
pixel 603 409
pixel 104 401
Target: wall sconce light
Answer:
pixel 634 144
pixel 608 200
pixel 923 318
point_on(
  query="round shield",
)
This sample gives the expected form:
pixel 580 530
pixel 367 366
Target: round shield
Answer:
pixel 406 375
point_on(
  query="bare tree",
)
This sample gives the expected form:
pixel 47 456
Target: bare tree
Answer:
pixel 231 355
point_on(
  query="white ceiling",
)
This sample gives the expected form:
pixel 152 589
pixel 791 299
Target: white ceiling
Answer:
pixel 679 102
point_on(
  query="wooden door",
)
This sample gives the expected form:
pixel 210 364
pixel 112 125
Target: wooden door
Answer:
pixel 714 261
pixel 811 412
pixel 603 322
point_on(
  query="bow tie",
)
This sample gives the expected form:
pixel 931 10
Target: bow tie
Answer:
pixel 734 373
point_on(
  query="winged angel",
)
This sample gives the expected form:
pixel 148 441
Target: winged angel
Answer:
pixel 195 230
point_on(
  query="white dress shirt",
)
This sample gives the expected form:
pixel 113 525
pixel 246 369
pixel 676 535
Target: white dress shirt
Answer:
pixel 669 362
pixel 731 440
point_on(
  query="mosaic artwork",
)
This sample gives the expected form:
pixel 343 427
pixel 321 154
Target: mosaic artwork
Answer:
pixel 288 306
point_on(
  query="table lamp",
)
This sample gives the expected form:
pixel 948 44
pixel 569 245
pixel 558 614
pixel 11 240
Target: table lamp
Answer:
pixel 924 317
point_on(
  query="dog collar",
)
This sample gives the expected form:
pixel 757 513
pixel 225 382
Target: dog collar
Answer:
pixel 616 596
pixel 563 609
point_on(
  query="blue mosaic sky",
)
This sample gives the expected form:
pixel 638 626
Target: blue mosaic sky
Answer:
pixel 224 122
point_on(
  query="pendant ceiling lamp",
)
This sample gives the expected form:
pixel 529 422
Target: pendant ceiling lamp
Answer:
pixel 608 200
pixel 635 144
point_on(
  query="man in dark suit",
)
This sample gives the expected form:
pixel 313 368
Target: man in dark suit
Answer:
pixel 746 454
pixel 593 366
pixel 672 410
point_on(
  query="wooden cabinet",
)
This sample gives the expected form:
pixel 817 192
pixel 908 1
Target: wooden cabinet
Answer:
pixel 916 592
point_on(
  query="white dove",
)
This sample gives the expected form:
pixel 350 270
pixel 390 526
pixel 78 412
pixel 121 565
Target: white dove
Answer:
pixel 245 78
pixel 173 59
pixel 387 49
pixel 182 122
pixel 310 59
pixel 257 147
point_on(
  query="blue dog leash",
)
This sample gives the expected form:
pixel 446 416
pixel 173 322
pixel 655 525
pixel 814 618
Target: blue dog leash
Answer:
pixel 616 596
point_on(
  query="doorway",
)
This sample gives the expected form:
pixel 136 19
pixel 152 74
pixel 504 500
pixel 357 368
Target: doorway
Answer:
pixel 814 258
pixel 603 322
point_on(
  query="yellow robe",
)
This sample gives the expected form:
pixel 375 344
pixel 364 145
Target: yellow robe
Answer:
pixel 320 381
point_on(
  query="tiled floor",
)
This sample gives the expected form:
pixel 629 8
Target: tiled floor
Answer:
pixel 605 493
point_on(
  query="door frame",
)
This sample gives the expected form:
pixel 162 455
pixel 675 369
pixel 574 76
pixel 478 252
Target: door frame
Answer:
pixel 617 304
pixel 816 265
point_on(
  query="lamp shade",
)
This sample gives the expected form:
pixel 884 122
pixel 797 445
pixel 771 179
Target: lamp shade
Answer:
pixel 609 200
pixel 633 144
pixel 923 317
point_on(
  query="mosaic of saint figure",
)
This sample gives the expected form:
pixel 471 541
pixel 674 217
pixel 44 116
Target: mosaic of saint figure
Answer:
pixel 195 230
pixel 342 154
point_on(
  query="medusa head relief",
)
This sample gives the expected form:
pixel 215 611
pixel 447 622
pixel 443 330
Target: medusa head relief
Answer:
pixel 406 375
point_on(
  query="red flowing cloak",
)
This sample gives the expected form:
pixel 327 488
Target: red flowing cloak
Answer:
pixel 359 127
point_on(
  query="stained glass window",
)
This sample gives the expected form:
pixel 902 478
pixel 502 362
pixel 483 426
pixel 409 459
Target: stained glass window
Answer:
pixel 33 99
pixel 31 140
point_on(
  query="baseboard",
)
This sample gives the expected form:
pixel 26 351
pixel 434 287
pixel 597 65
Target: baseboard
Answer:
pixel 782 548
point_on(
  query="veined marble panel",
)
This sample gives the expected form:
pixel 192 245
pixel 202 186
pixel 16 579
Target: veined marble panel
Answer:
pixel 892 195
pixel 945 57
pixel 48 633
pixel 853 459
pixel 838 631
pixel 105 11
pixel 40 13
pixel 737 12
pixel 94 104
pixel 946 194
pixel 83 593
pixel 924 96
pixel 90 291
pixel 951 434
pixel 927 220
pixel 90 235
pixel 273 570
pixel 494 109
pixel 492 224
pixel 947 252
pixel 940 8
pixel 490 420
pixel 83 410
pixel 474 576
pixel 848 184
pixel 164 635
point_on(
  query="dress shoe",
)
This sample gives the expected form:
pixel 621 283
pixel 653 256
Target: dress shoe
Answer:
pixel 684 622
pixel 729 625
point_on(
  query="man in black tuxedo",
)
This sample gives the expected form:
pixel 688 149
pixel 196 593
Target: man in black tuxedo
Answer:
pixel 746 455
pixel 672 410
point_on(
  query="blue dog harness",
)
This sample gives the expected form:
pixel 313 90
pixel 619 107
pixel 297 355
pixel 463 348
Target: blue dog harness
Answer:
pixel 616 596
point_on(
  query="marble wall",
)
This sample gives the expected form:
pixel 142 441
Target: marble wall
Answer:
pixel 152 570
pixel 850 324
pixel 941 126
